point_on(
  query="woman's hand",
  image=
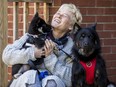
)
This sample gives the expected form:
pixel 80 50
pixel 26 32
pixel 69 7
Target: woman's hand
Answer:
pixel 49 47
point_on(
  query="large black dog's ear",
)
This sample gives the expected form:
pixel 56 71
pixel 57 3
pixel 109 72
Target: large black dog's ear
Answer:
pixel 76 29
pixel 93 26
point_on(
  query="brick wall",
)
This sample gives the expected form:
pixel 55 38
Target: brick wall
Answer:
pixel 104 13
pixel 101 11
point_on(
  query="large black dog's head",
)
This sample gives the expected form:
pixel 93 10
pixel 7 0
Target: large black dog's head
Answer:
pixel 86 43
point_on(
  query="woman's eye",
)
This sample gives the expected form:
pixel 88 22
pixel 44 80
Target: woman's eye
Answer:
pixel 65 15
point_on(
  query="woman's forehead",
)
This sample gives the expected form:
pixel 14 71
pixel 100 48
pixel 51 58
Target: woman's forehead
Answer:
pixel 65 10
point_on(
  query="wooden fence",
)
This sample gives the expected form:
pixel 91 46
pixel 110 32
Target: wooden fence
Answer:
pixel 4 27
pixel 26 13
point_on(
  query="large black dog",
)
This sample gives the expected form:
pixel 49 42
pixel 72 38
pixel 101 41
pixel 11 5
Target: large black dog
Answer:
pixel 89 68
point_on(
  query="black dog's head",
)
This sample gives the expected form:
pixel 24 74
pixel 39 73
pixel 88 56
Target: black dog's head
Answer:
pixel 39 28
pixel 86 43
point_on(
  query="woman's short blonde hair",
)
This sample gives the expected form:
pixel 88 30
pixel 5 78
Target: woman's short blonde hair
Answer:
pixel 77 17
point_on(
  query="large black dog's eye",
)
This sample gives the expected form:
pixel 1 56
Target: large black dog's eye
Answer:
pixel 91 37
pixel 82 36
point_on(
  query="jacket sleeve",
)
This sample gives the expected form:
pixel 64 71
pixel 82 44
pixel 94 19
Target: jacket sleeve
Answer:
pixel 15 54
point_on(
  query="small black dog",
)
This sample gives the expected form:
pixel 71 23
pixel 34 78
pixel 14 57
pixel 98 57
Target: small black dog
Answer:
pixel 39 28
pixel 89 68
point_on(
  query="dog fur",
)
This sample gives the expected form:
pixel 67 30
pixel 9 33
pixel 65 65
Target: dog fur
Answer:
pixel 86 48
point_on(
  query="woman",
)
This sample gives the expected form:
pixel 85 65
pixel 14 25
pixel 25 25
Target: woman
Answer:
pixel 57 63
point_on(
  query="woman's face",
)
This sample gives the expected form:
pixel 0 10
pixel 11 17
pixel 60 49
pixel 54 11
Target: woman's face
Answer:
pixel 62 19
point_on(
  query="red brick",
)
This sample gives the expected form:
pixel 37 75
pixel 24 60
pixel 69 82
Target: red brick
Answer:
pixel 10 32
pixel 113 50
pixel 10 25
pixel 110 11
pixel 20 18
pixel 10 18
pixel 53 11
pixel 104 3
pixel 50 18
pixel 31 4
pixel 112 71
pixel 20 10
pixel 104 19
pixel 87 19
pixel 109 27
pixel 112 78
pixel 106 49
pixel 83 11
pixel 102 43
pixel 10 10
pixel 114 18
pixel 20 33
pixel 111 42
pixel 114 34
pixel 99 27
pixel 10 3
pixel 31 10
pixel 30 17
pixel 57 2
pixel 41 3
pixel 21 3
pixel 20 25
pixel 114 3
pixel 105 34
pixel 10 40
pixel 40 11
pixel 81 3
pixel 95 11
pixel 109 57
pixel 110 64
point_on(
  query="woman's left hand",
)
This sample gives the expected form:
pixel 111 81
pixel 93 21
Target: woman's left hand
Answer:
pixel 49 47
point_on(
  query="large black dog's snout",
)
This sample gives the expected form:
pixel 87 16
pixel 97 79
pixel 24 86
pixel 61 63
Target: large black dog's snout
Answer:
pixel 86 42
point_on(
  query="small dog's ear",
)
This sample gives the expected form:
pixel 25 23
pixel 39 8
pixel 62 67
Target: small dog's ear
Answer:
pixel 36 14
pixel 35 18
